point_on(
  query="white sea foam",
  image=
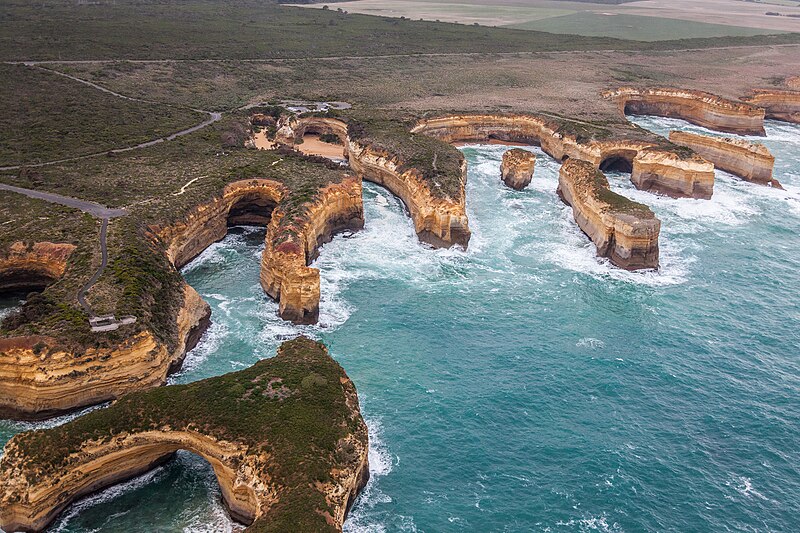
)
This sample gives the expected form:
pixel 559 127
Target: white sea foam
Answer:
pixel 360 519
pixel 206 346
pixel 105 496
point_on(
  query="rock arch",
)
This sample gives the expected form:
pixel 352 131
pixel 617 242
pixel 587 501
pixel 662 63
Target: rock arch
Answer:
pixel 32 267
pixel 285 438
pixel 618 160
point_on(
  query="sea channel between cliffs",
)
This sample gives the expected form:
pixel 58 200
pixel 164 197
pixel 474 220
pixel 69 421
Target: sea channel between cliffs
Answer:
pixel 527 384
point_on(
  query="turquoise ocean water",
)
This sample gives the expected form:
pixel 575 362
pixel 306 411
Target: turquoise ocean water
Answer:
pixel 525 385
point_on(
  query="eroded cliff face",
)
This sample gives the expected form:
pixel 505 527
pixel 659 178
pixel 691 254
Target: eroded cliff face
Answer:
pixel 698 107
pixel 441 222
pixel 267 431
pixel 27 267
pixel 624 231
pixel 516 169
pixel 39 379
pixel 778 105
pixel 292 243
pixel 653 167
pixel 751 162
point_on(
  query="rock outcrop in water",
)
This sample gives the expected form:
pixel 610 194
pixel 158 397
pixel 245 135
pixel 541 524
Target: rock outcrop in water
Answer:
pixel 653 166
pixel 698 107
pixel 438 220
pixel 34 266
pixel 285 439
pixel 516 169
pixel 751 162
pixel 39 378
pixel 778 105
pixel 624 231
pixel 292 243
pixel 295 230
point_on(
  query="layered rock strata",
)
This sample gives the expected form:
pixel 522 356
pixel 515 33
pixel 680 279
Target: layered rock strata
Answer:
pixel 624 231
pixel 285 438
pixel 39 378
pixel 439 221
pixel 292 243
pixel 295 230
pixel 34 266
pixel 778 105
pixel 698 107
pixel 751 162
pixel 516 169
pixel 666 170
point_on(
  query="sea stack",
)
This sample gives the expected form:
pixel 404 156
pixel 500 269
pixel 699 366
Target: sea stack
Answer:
pixel 623 230
pixel 517 168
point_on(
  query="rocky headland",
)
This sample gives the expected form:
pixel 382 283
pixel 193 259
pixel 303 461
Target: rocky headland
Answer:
pixel 698 107
pixel 285 438
pixel 429 179
pixel 516 169
pixel 624 231
pixel 777 104
pixel 655 165
pixel 750 161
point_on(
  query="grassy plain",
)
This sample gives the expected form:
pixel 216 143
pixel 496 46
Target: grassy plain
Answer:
pixel 636 27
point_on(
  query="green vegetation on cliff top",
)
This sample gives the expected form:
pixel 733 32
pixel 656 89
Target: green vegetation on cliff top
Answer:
pixel 292 407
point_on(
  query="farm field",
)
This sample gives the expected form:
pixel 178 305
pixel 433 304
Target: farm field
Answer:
pixel 635 27
pixel 704 17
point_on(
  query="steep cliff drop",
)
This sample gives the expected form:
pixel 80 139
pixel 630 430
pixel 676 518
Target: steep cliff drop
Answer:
pixel 777 104
pixel 285 438
pixel 698 107
pixel 654 165
pixel 296 227
pixel 39 378
pixel 751 162
pixel 516 169
pixel 439 220
pixel 34 266
pixel 624 231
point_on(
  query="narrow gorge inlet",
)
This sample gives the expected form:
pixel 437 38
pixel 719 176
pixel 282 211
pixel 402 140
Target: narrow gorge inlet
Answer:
pixel 382 266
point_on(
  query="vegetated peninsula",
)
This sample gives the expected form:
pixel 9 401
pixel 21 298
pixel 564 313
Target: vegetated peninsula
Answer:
pixel 285 438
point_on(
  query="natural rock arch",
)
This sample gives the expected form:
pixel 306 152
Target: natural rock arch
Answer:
pixel 32 267
pixel 620 161
pixel 285 438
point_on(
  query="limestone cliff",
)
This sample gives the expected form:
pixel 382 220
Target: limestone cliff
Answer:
pixel 793 82
pixel 698 107
pixel 654 167
pixel 778 105
pixel 624 231
pixel 516 169
pixel 285 439
pixel 439 221
pixel 749 161
pixel 25 267
pixel 292 242
pixel 39 379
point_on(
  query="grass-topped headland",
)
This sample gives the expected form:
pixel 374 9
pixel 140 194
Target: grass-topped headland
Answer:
pixel 287 428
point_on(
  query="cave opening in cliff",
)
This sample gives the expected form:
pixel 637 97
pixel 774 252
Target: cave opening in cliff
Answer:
pixel 251 210
pixel 617 163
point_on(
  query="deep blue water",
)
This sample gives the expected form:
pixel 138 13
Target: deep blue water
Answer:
pixel 525 385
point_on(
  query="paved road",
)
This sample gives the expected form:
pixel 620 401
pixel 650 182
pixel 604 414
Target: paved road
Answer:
pixel 94 209
pixel 103 262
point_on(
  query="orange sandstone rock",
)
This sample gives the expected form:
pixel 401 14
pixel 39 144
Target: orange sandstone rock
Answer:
pixel 751 162
pixel 698 107
pixel 778 105
pixel 517 168
pixel 624 231
pixel 33 266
